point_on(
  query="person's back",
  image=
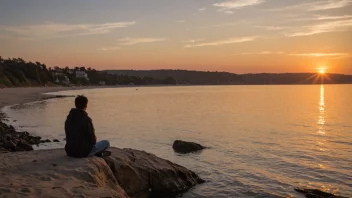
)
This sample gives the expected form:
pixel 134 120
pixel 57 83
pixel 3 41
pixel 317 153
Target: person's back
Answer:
pixel 80 135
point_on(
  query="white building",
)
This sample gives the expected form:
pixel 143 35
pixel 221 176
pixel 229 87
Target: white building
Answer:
pixel 81 74
pixel 64 80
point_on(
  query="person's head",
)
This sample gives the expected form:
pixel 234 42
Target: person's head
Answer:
pixel 81 102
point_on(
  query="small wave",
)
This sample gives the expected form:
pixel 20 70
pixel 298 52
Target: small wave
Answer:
pixel 341 142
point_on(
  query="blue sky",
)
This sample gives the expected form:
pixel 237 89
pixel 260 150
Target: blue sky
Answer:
pixel 226 35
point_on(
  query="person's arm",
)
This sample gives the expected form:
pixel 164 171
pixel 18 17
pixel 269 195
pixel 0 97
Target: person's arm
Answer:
pixel 91 131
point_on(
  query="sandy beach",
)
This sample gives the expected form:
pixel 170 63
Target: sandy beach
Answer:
pixel 11 96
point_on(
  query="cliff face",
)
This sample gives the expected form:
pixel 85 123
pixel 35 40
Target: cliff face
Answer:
pixel 126 173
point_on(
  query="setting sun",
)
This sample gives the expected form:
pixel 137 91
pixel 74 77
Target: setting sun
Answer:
pixel 321 70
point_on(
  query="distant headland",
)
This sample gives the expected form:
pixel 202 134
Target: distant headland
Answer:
pixel 16 72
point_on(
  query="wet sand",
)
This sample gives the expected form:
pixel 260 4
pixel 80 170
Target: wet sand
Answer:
pixel 11 96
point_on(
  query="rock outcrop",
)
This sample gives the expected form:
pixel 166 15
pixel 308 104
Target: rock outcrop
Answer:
pixel 183 147
pixel 11 140
pixel 126 173
pixel 14 141
pixel 314 193
pixel 140 173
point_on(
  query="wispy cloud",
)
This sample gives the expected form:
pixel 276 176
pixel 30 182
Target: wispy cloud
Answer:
pixel 261 53
pixel 134 41
pixel 222 24
pixel 222 42
pixel 330 26
pixel 127 41
pixel 331 4
pixel 271 27
pixel 236 4
pixel 322 17
pixel 322 54
pixel 327 55
pixel 181 21
pixel 202 9
pixel 192 40
pixel 57 30
pixel 109 48
pixel 315 6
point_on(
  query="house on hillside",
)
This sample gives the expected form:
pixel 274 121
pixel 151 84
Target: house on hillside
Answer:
pixel 102 83
pixel 81 75
pixel 62 79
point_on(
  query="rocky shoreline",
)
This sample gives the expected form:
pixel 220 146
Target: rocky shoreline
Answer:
pixel 126 173
pixel 14 141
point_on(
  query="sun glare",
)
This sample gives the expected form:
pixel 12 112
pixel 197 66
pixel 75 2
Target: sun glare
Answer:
pixel 321 70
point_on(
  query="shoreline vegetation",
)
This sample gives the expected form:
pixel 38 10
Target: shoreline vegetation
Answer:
pixel 16 72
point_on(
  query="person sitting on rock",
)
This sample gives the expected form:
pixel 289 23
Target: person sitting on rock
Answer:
pixel 80 134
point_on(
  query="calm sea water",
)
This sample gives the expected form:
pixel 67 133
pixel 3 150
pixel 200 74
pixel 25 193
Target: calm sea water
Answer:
pixel 264 140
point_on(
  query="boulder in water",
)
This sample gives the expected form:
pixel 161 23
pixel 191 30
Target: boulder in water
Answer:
pixel 183 147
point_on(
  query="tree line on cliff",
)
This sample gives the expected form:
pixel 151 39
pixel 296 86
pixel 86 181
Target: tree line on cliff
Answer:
pixel 15 72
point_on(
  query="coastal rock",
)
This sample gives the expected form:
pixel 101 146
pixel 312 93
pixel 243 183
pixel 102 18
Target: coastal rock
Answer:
pixel 56 140
pixel 142 174
pixel 9 145
pixel 35 170
pixel 126 173
pixel 314 193
pixel 24 146
pixel 183 147
pixel 11 140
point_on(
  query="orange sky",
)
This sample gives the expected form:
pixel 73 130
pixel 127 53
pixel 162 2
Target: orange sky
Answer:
pixel 238 36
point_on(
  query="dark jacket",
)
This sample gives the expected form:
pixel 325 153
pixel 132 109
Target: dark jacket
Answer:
pixel 80 136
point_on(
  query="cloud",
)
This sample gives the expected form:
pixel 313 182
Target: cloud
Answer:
pixel 109 48
pixel 134 41
pixel 262 53
pixel 202 9
pixel 57 30
pixel 315 6
pixel 271 27
pixel 227 11
pixel 222 24
pixel 331 4
pixel 320 17
pixel 330 55
pixel 192 40
pixel 236 4
pixel 223 42
pixel 330 26
pixel 322 54
pixel 127 41
pixel 181 21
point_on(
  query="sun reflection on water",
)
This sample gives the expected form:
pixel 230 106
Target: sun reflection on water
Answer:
pixel 321 120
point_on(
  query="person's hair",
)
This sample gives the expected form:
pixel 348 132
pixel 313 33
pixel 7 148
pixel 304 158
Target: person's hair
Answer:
pixel 81 102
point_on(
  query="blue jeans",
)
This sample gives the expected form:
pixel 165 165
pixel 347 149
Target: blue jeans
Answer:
pixel 99 147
